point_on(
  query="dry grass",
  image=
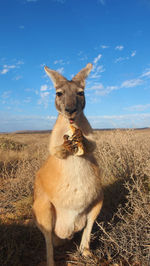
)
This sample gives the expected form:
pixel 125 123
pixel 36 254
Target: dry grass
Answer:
pixel 121 235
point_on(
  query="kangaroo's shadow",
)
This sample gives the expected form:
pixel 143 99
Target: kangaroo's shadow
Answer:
pixel 24 245
pixel 115 195
pixel 20 245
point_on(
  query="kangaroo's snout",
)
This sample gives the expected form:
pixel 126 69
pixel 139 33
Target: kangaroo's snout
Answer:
pixel 70 110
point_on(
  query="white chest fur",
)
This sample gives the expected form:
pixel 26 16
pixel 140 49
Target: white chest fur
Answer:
pixel 79 185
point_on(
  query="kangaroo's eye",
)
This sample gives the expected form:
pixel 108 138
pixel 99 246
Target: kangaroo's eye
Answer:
pixel 59 93
pixel 80 93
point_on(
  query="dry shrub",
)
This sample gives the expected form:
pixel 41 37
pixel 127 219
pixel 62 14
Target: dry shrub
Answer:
pixel 122 154
pixel 20 242
pixel 8 144
pixel 122 233
pixel 127 241
pixel 17 174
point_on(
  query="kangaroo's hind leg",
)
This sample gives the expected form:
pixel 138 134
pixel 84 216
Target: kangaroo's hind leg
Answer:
pixel 44 214
pixel 91 217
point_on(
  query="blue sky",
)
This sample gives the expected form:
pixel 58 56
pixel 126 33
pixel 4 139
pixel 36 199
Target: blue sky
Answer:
pixel 65 35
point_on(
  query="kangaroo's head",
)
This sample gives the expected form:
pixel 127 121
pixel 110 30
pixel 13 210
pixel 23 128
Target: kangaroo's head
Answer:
pixel 70 99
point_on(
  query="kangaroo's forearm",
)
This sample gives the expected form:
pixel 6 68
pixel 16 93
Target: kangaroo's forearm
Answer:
pixel 60 152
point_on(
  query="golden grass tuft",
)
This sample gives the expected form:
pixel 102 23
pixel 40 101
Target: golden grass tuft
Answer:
pixel 121 234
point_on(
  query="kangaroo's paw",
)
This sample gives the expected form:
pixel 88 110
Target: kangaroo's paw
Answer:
pixel 60 152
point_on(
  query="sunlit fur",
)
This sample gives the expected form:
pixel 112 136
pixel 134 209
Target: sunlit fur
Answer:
pixel 70 98
pixel 68 195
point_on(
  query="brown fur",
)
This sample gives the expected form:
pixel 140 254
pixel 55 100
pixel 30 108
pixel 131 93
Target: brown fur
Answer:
pixel 68 195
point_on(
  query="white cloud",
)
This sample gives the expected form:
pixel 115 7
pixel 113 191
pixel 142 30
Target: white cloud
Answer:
pixel 32 91
pixel 97 71
pixel 146 74
pixel 96 59
pixel 138 107
pixel 119 47
pixel 27 100
pixel 7 68
pixel 4 71
pixel 120 59
pixel 100 69
pixel 20 62
pixel 99 89
pixel 21 122
pixel 133 53
pixel 45 94
pixel 111 88
pixel 44 98
pixel 104 46
pixel 84 58
pixel 60 70
pixel 96 86
pixel 44 87
pixel 120 121
pixel 6 94
pixel 131 83
pixel 106 90
pixel 42 65
pixel 17 77
pixel 60 61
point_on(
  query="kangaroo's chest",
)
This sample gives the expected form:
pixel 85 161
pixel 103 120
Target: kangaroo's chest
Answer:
pixel 79 186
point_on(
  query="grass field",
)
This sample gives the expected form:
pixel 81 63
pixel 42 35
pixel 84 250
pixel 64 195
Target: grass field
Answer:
pixel 121 235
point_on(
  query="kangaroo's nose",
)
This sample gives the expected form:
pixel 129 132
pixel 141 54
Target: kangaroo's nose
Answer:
pixel 70 110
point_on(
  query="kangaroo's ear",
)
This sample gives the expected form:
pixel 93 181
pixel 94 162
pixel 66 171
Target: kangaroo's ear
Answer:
pixel 56 77
pixel 82 75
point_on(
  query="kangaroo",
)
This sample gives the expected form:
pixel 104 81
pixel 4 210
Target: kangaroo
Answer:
pixel 68 194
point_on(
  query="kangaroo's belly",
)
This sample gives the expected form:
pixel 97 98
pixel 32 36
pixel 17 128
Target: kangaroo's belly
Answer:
pixel 80 188
pixel 72 186
pixel 79 185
